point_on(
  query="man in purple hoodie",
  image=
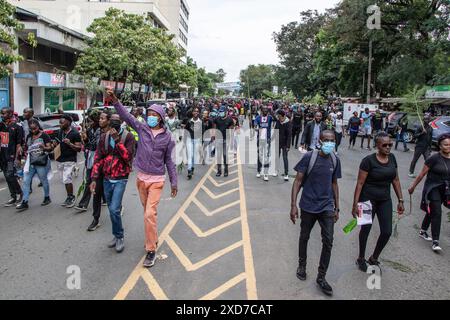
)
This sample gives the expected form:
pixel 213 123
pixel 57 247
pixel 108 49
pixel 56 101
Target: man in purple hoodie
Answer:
pixel 154 155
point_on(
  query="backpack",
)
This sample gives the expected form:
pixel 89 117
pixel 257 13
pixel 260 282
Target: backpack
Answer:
pixel 313 160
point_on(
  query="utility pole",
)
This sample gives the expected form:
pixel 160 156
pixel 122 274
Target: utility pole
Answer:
pixel 369 77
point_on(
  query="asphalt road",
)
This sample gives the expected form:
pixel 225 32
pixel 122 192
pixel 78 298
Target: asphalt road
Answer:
pixel 221 238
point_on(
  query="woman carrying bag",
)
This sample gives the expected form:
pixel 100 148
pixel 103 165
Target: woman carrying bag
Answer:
pixel 38 144
pixel 436 191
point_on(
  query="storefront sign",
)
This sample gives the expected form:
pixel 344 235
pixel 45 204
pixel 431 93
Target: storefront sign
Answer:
pixel 108 84
pixel 45 79
pixel 136 87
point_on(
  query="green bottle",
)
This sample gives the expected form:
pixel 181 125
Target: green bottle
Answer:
pixel 350 226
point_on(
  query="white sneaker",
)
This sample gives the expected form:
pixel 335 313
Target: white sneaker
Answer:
pixel 436 247
pixel 286 178
pixel 412 175
pixel 424 235
pixel 266 177
pixel 275 174
pixel 258 175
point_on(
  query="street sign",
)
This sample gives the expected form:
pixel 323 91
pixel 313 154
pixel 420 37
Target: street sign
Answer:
pixel 438 92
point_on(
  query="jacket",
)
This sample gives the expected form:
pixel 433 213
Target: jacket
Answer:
pixel 424 140
pixel 113 164
pixel 154 154
pixel 309 131
pixel 284 132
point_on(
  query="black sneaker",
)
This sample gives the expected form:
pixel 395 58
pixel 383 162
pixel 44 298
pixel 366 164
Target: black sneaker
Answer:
pixel 435 247
pixel 71 202
pixel 22 207
pixel 362 264
pixel 424 235
pixel 94 226
pixel 46 201
pixel 225 174
pixel 324 286
pixel 190 173
pixel 374 262
pixel 301 273
pixel 219 173
pixel 11 202
pixel 150 259
pixel 64 204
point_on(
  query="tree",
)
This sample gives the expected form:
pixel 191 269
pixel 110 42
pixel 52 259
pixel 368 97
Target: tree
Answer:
pixel 414 102
pixel 8 25
pixel 221 74
pixel 329 53
pixel 257 78
pixel 126 47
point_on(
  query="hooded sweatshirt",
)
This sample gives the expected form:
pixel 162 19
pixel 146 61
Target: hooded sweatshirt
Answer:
pixel 285 132
pixel 154 154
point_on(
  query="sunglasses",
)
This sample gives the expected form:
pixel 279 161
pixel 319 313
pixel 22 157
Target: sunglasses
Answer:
pixel 386 145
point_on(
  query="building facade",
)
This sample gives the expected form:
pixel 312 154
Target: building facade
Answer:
pixel 170 15
pixel 42 80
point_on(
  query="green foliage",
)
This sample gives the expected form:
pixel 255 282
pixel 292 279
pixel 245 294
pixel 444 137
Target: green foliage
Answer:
pixel 127 47
pixel 8 25
pixel 258 79
pixel 328 53
pixel 414 102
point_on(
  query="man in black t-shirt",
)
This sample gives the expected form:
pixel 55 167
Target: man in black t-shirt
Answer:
pixel 222 123
pixel 69 141
pixel 11 139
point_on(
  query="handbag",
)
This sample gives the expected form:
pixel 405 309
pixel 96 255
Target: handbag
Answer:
pixel 39 160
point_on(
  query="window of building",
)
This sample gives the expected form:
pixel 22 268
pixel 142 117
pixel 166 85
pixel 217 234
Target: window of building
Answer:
pixel 183 37
pixel 48 55
pixel 30 53
pixel 183 23
pixel 56 56
pixel 184 9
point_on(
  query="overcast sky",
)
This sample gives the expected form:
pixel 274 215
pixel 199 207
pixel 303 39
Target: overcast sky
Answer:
pixel 231 34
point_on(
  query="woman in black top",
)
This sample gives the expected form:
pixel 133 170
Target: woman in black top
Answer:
pixel 436 190
pixel 38 144
pixel 376 175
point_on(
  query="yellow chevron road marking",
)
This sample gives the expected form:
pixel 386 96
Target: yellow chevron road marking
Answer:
pixel 215 197
pixel 203 234
pixel 225 287
pixel 211 213
pixel 188 265
pixel 219 185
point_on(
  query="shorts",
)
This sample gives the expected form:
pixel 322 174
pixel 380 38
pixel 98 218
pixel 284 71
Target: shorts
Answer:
pixel 66 170
pixel 367 131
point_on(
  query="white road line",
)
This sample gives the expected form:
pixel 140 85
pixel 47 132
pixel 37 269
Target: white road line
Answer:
pixel 1 189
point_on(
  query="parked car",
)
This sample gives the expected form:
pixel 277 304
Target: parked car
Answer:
pixel 50 123
pixel 398 117
pixel 440 126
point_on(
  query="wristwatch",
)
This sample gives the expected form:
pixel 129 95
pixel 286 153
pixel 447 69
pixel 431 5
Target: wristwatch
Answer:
pixel 401 200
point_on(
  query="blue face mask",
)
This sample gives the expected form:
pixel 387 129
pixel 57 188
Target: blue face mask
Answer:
pixel 328 147
pixel 152 121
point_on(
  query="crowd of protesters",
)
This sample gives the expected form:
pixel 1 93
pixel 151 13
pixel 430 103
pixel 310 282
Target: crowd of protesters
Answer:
pixel 145 141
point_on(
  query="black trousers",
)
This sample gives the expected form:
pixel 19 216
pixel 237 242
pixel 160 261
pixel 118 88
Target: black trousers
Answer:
pixel 420 151
pixel 296 131
pixel 284 151
pixel 338 140
pixel 353 136
pixel 383 211
pixel 326 222
pixel 9 171
pixel 222 154
pixel 434 218
pixel 99 194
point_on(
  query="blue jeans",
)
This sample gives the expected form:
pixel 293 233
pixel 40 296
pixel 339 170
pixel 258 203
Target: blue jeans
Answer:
pixel 401 138
pixel 28 179
pixel 113 194
pixel 194 146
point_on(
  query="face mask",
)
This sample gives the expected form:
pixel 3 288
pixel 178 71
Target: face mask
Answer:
pixel 222 114
pixel 152 121
pixel 328 147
